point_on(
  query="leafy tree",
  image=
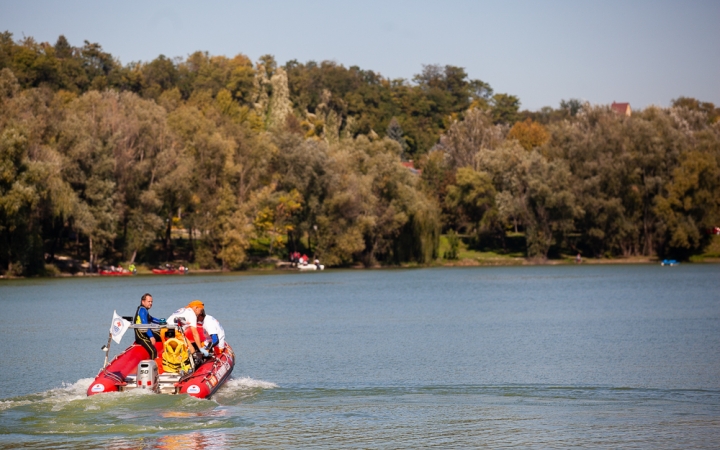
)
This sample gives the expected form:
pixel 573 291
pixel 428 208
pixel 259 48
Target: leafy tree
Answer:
pixel 280 106
pixel 691 204
pixel 708 108
pixel 302 165
pixel 158 76
pixel 63 49
pixel 87 148
pixel 275 211
pixel 505 109
pixel 373 203
pixel 605 181
pixel 206 152
pixel 454 243
pixel 572 106
pixel 9 86
pixel 466 138
pixel 472 196
pixel 529 134
pixel 534 191
pixel 33 195
pixel 17 198
pixel 34 64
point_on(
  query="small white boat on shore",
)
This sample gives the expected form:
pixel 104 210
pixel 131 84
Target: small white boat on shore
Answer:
pixel 303 267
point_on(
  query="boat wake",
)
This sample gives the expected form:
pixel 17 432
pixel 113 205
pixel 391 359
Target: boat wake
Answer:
pixel 67 410
pixel 52 398
pixel 246 383
pixel 238 390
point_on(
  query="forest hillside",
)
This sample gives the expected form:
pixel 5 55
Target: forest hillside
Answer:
pixel 221 162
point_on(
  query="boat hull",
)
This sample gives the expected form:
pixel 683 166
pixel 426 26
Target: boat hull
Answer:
pixel 203 382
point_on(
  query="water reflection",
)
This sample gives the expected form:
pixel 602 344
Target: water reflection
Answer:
pixel 191 414
pixel 193 441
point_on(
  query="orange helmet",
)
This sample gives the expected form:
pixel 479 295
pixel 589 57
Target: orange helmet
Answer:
pixel 196 304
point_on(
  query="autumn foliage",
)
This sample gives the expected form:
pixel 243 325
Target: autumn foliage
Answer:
pixel 224 163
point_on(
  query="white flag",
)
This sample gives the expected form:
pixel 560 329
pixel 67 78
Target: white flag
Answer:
pixel 118 328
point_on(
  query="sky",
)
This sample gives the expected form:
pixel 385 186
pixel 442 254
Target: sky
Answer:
pixel 543 51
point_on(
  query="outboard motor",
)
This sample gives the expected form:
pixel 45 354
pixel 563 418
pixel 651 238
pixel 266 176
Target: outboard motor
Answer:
pixel 147 374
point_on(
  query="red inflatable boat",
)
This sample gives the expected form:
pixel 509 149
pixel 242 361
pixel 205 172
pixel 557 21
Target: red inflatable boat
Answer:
pixel 115 273
pixel 132 369
pixel 170 271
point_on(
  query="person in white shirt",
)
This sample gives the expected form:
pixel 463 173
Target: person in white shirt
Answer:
pixel 214 332
pixel 188 316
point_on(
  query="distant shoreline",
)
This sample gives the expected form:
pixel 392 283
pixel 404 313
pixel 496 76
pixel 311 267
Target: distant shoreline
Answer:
pixel 466 262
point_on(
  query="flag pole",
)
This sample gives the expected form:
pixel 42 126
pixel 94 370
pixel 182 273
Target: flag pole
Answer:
pixel 107 350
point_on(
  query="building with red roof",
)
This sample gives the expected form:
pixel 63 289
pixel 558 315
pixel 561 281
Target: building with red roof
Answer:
pixel 411 167
pixel 622 108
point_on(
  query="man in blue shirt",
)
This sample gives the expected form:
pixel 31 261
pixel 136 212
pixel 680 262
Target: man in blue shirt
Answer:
pixel 146 337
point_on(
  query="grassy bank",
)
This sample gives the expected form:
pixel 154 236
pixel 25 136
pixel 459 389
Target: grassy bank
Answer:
pixel 512 255
pixel 467 256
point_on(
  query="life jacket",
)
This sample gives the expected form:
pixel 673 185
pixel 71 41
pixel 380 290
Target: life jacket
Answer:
pixel 175 356
pixel 140 334
pixel 136 318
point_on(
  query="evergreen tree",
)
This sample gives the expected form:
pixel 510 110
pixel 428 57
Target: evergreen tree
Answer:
pixel 395 132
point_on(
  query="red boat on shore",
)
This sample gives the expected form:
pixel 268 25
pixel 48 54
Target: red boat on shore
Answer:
pixel 115 273
pixel 132 369
pixel 119 271
pixel 171 271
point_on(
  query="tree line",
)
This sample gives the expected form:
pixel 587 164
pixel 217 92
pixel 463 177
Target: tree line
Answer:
pixel 109 162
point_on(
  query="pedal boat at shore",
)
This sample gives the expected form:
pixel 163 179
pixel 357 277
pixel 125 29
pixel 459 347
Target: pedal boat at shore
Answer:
pixel 133 369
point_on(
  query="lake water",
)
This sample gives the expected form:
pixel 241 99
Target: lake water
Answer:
pixel 564 356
